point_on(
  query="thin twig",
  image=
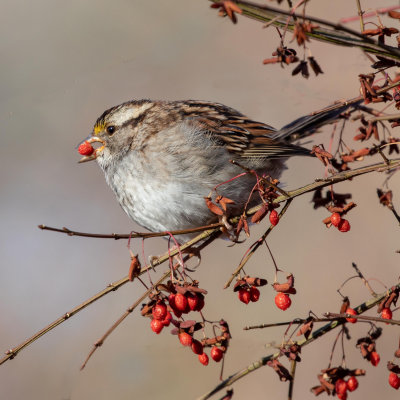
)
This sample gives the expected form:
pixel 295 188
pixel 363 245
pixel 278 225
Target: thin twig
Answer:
pixel 385 117
pixel 369 14
pixel 359 273
pixel 254 247
pixel 293 364
pixel 132 235
pixel 360 14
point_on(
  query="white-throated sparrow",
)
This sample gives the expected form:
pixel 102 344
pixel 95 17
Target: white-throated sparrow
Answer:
pixel 161 158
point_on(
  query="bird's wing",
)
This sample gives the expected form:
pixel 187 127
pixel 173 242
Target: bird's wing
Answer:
pixel 240 135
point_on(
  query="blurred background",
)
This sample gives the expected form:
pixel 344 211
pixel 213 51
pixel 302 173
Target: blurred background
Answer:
pixel 63 64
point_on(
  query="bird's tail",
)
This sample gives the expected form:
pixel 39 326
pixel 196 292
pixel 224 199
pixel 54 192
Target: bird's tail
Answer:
pixel 307 125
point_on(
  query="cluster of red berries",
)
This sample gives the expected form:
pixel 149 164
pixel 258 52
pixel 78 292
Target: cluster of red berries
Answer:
pixel 161 317
pixel 249 293
pixel 219 344
pixel 85 149
pixel 342 386
pixel 197 347
pixel 184 303
pixel 182 300
pixel 342 224
pixel 179 304
pixel 247 288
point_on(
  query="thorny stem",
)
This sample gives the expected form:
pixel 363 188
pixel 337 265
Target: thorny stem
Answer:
pixel 314 335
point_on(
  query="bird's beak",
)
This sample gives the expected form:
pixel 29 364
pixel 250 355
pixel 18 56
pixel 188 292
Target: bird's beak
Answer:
pixel 96 152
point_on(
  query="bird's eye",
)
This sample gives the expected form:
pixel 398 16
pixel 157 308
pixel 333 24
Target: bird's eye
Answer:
pixel 110 129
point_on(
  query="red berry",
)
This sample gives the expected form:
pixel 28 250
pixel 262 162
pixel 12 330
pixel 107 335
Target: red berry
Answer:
pixel 185 339
pixel 167 320
pixel 159 311
pixel 340 386
pixel 193 301
pixel 386 313
pixel 244 296
pixel 352 312
pixel 85 149
pixel 177 313
pixel 273 218
pixel 335 219
pixel 283 301
pixel 156 325
pixel 216 354
pixel 203 358
pixel 254 294
pixel 171 301
pixel 352 384
pixel 344 225
pixel 342 396
pixel 197 347
pixel 394 380
pixel 181 302
pixel 200 302
pixel 375 358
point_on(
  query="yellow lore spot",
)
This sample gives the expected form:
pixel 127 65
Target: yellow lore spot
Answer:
pixel 98 128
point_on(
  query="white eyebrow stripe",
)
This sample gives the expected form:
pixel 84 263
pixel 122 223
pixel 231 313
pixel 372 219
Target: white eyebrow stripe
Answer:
pixel 129 112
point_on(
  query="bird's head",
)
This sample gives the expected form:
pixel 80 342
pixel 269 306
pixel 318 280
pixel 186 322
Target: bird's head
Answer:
pixel 116 130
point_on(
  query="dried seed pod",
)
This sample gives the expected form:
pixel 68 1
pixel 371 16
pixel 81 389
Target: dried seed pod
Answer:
pixel 255 281
pixel 224 201
pixel 282 372
pixel 134 268
pixel 213 207
pixel 306 328
pixel 345 305
pixel 260 214
pixel 393 367
pixel 227 8
pixel 315 66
